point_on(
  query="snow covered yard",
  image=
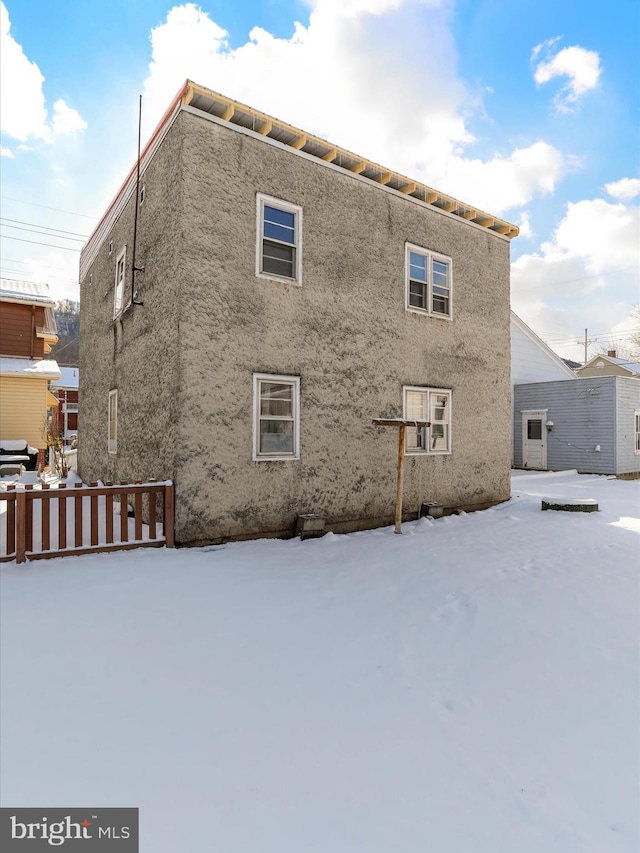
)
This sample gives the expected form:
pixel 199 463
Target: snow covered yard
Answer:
pixel 469 687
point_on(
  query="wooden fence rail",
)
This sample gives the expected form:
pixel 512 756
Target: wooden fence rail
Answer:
pixel 46 522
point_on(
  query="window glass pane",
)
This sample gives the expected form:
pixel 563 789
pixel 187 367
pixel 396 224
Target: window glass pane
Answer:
pixel 440 305
pixel 276 436
pixel 441 273
pixel 439 437
pixel 417 294
pixel 417 267
pixel 534 430
pixel 415 438
pixel 416 407
pixel 276 399
pixel 278 259
pixel 280 217
pixel 439 407
pixel 279 232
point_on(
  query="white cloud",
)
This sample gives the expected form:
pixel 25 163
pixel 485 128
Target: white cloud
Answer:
pixel 24 112
pixel 580 65
pixel 66 119
pixel 6 152
pixel 359 75
pixel 526 231
pixel 586 276
pixel 625 189
pixel 57 269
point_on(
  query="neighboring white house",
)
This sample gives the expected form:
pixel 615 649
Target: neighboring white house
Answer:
pixel 532 361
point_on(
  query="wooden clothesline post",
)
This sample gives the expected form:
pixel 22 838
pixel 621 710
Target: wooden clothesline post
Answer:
pixel 402 428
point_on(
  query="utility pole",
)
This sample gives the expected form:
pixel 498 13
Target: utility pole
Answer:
pixel 586 343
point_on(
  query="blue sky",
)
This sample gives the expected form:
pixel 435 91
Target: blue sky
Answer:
pixel 530 111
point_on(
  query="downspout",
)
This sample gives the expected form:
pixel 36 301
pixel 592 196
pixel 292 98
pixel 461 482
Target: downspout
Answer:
pixel 134 268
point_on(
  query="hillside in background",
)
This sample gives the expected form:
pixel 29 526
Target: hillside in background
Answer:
pixel 66 351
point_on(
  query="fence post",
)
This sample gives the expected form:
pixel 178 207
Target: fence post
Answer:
pixel 21 526
pixel 168 516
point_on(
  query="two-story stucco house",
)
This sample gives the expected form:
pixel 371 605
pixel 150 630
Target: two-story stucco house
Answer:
pixel 256 296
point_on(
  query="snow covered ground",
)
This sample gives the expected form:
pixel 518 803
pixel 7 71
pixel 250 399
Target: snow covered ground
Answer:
pixel 469 687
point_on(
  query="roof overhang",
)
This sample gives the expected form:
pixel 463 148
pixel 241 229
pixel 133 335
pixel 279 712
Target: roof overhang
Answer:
pixel 29 368
pixel 200 100
pixel 235 113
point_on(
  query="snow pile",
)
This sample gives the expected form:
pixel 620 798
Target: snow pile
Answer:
pixel 468 687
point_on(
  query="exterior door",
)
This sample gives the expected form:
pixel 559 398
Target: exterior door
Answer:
pixel 534 440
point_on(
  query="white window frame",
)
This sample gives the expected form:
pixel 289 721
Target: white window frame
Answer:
pixel 118 286
pixel 426 450
pixel 431 257
pixel 294 382
pixel 112 435
pixel 636 431
pixel 261 201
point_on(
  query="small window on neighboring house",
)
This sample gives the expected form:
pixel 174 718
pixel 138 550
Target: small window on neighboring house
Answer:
pixel 428 282
pixel 276 415
pixel 637 430
pixel 600 364
pixel 112 417
pixel 118 295
pixel 110 247
pixel 142 194
pixel 433 405
pixel 278 251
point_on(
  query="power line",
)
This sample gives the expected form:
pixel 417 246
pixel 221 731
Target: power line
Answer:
pixel 620 333
pixel 38 243
pixel 44 206
pixel 49 276
pixel 47 227
pixel 43 233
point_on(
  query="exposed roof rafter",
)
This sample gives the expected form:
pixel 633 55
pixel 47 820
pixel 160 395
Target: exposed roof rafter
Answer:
pixel 210 102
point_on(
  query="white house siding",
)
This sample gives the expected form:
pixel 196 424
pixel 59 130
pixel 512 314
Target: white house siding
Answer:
pixel 586 415
pixel 530 362
pixel 627 403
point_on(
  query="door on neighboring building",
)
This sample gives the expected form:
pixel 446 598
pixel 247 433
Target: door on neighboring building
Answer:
pixel 534 440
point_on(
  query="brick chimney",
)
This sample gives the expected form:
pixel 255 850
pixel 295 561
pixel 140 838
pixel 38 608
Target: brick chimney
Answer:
pixel 611 353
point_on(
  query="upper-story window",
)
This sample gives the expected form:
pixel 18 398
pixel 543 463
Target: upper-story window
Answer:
pixel 118 293
pixel 428 282
pixel 279 249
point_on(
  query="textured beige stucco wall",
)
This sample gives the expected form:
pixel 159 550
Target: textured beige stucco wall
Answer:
pixel 136 354
pixel 345 332
pixel 183 363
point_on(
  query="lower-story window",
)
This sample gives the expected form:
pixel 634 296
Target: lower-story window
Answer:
pixel 276 416
pixel 637 430
pixel 112 420
pixel 433 405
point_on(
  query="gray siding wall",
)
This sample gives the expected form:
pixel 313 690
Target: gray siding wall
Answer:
pixel 627 403
pixel 584 416
pixel 209 323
